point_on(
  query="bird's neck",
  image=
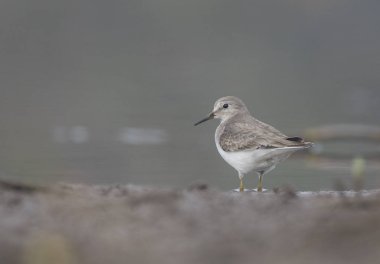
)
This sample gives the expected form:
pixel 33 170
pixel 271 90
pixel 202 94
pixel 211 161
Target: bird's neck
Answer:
pixel 234 116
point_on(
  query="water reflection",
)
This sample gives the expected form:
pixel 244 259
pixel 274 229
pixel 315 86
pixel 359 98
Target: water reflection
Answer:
pixel 350 148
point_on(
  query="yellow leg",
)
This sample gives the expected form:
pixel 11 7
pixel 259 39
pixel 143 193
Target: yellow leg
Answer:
pixel 260 185
pixel 241 185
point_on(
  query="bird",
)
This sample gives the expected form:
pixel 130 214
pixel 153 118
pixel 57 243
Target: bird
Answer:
pixel 246 143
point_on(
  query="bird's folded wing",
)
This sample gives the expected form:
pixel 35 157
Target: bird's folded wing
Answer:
pixel 242 137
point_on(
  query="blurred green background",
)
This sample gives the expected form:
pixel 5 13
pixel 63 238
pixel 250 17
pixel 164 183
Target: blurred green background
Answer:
pixel 108 91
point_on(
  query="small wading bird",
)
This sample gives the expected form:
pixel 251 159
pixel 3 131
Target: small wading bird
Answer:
pixel 248 144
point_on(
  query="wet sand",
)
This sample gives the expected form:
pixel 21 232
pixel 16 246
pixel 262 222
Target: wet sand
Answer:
pixel 69 223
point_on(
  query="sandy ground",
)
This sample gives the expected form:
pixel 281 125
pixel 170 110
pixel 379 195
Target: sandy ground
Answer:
pixel 134 224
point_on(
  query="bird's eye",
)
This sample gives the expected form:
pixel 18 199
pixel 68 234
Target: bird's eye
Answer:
pixel 225 106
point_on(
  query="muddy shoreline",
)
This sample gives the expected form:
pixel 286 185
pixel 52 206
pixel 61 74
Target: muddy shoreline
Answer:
pixel 70 223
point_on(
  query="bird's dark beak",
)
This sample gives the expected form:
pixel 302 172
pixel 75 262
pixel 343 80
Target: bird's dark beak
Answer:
pixel 211 116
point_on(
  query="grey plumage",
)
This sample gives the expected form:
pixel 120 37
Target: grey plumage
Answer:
pixel 244 132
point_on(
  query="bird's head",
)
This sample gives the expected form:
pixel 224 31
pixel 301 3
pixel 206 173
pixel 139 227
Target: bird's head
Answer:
pixel 224 108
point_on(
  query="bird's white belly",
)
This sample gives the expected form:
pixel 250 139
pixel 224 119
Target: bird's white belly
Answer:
pixel 256 159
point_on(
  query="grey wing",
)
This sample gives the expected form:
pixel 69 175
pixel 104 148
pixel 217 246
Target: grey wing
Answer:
pixel 242 136
pixel 230 141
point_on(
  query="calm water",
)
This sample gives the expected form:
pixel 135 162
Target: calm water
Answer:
pixel 109 94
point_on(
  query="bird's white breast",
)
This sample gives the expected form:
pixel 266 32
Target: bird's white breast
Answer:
pixel 242 161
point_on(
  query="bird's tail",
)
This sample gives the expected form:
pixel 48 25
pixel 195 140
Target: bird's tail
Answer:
pixel 301 141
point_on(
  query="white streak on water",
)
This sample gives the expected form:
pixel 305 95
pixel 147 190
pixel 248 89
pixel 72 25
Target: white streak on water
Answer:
pixel 142 136
pixel 75 134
